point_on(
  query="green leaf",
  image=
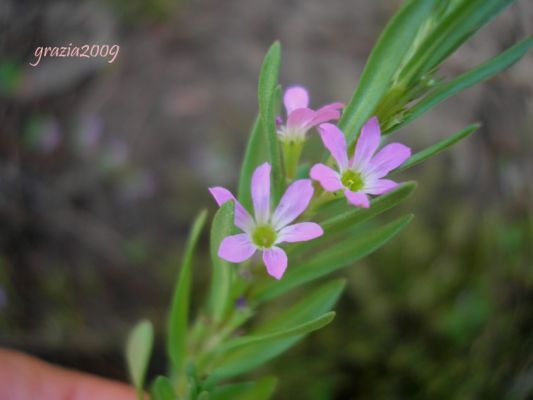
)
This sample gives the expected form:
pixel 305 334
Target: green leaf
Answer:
pixel 452 31
pixel 162 389
pixel 138 350
pixel 222 270
pixel 268 82
pixel 179 311
pixel 204 396
pixel 250 357
pixel 378 205
pixel 343 219
pixel 230 391
pixel 259 339
pixel 278 99
pixel 253 156
pixel 311 306
pixel 263 389
pixel 193 384
pixel 332 259
pixel 383 63
pixel 437 147
pixel 484 71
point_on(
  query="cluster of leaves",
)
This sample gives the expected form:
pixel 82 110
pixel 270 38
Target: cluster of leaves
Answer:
pixel 399 83
pixel 443 311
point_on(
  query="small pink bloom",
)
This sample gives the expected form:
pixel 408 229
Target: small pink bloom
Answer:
pixel 300 118
pixel 362 175
pixel 266 230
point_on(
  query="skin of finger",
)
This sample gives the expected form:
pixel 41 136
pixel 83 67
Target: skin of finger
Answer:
pixel 23 377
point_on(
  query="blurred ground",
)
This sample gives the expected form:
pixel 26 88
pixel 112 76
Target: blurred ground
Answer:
pixel 102 167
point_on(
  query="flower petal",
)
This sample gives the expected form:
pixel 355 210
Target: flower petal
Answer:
pixel 336 106
pixel 221 195
pixel 388 158
pixel 325 114
pixel 357 199
pixel 300 119
pixel 295 97
pixel 380 186
pixel 335 142
pixel 275 261
pixel 328 178
pixel 261 192
pixel 293 202
pixel 236 248
pixel 367 144
pixel 242 218
pixel 300 232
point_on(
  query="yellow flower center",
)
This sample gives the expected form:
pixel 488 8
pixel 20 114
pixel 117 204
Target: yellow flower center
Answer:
pixel 352 180
pixel 264 236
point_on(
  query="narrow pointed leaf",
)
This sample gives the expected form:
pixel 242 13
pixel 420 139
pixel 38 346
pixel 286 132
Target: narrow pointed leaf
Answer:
pixel 437 147
pixel 332 259
pixel 262 389
pixel 469 22
pixel 219 299
pixel 230 391
pixel 346 216
pixel 162 389
pixel 378 205
pixel 452 31
pixel 253 156
pixel 267 97
pixel 383 63
pixel 138 350
pixel 466 80
pixel 179 311
pixel 251 356
pixel 278 96
pixel 301 329
pixel 246 359
pixel 311 306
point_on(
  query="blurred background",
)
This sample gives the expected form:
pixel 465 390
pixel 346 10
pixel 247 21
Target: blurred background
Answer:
pixel 103 166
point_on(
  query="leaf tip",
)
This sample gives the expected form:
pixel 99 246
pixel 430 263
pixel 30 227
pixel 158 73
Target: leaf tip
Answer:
pixel 202 215
pixel 409 186
pixel 476 125
pixel 330 316
pixel 407 219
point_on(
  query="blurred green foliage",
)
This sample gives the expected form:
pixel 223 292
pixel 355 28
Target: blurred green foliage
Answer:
pixel 441 312
pixel 10 77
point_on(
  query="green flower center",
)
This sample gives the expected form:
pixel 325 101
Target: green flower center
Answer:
pixel 264 236
pixel 352 180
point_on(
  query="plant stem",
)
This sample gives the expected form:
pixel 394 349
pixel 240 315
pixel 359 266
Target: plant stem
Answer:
pixel 292 151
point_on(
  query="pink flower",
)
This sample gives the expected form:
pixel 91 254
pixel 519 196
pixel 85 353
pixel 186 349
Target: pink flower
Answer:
pixel 362 175
pixel 300 118
pixel 266 230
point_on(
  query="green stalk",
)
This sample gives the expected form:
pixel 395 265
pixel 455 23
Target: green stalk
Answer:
pixel 292 150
